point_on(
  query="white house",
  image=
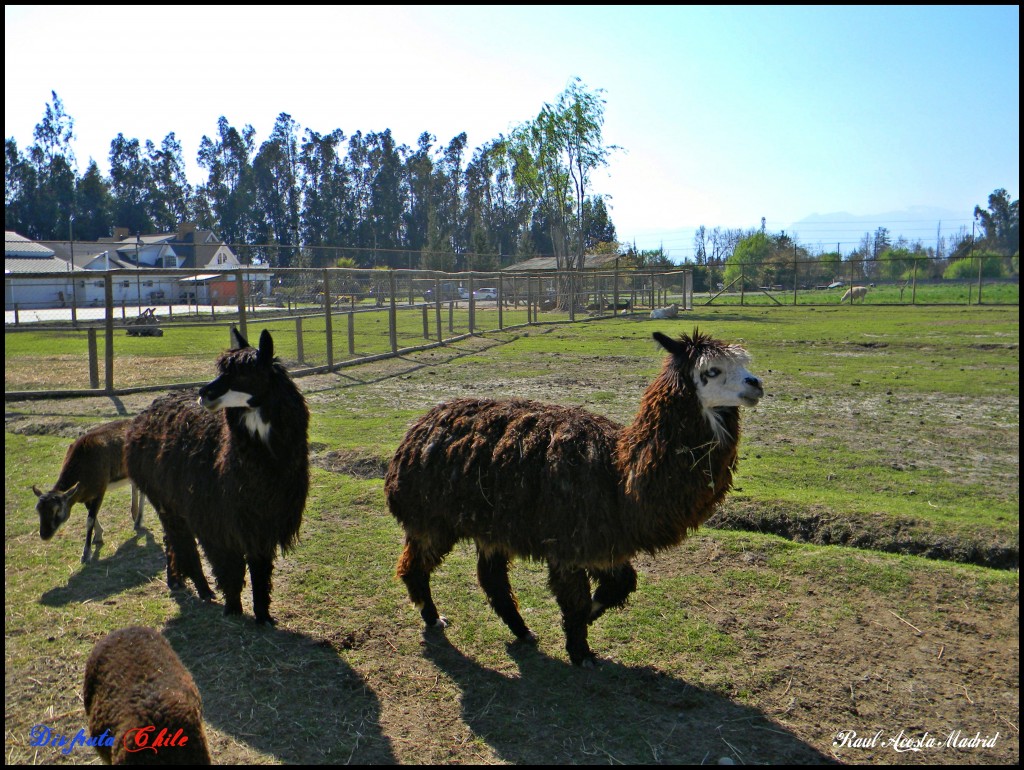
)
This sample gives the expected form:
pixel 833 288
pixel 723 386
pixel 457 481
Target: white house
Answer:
pixel 188 248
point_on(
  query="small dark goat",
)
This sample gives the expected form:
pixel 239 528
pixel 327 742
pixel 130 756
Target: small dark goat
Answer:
pixel 93 464
pixel 229 465
pixel 559 484
pixel 137 689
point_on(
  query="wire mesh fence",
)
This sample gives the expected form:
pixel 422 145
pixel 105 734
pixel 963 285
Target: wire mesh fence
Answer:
pixel 122 330
pixel 109 331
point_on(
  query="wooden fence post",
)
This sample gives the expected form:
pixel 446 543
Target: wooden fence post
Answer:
pixel 298 341
pixel 500 301
pixel 392 313
pixel 94 369
pixel 437 307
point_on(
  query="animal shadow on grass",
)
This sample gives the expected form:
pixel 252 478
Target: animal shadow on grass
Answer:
pixel 555 713
pixel 280 692
pixel 136 562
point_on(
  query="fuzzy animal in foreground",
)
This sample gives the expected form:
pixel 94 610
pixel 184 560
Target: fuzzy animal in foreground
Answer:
pixel 93 464
pixel 662 313
pixel 556 483
pixel 230 466
pixel 137 689
pixel 853 293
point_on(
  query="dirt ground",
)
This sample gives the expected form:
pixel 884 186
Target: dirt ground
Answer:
pixel 823 672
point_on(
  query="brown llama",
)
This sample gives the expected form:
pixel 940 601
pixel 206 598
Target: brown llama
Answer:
pixel 143 706
pixel 559 484
pixel 228 465
pixel 93 464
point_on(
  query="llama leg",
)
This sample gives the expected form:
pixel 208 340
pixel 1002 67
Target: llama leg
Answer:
pixel 414 567
pixel 229 572
pixel 492 572
pixel 261 569
pixel 137 500
pixel 93 530
pixel 183 556
pixel 572 592
pixel 613 588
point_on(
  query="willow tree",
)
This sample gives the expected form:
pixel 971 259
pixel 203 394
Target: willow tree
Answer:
pixel 555 157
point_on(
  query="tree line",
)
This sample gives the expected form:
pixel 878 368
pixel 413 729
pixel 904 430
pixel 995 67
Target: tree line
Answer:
pixel 435 206
pixel 301 197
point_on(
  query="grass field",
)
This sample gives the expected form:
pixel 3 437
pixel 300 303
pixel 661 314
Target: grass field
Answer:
pixel 884 427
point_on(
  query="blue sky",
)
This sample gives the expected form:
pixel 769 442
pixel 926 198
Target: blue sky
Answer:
pixel 903 115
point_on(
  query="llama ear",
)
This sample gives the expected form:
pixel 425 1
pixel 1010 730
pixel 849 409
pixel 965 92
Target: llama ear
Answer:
pixel 266 354
pixel 37 491
pixel 671 345
pixel 237 340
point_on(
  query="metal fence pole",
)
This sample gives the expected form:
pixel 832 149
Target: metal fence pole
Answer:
pixel 240 297
pixel 108 332
pixel 392 313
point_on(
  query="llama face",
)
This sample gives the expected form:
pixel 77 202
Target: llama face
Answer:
pixel 53 508
pixel 718 371
pixel 244 377
pixel 244 383
pixel 724 380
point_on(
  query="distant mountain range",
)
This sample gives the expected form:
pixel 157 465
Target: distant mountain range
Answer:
pixel 916 223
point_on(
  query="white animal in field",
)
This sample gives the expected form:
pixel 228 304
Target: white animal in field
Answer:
pixel 853 293
pixel 672 311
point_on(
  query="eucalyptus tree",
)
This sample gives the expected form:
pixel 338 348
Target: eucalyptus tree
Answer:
pixel 41 182
pixel 417 172
pixel 385 160
pixel 94 206
pixel 170 194
pixel 19 189
pixel 357 212
pixel 448 232
pixel 326 214
pixel 130 185
pixel 229 188
pixel 496 214
pixel 276 171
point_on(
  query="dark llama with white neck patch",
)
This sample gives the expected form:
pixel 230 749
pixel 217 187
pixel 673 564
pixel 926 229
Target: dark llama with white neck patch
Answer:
pixel 559 484
pixel 228 465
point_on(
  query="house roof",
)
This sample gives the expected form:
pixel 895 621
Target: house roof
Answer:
pixel 195 248
pixel 85 252
pixel 590 262
pixel 22 255
pixel 16 245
